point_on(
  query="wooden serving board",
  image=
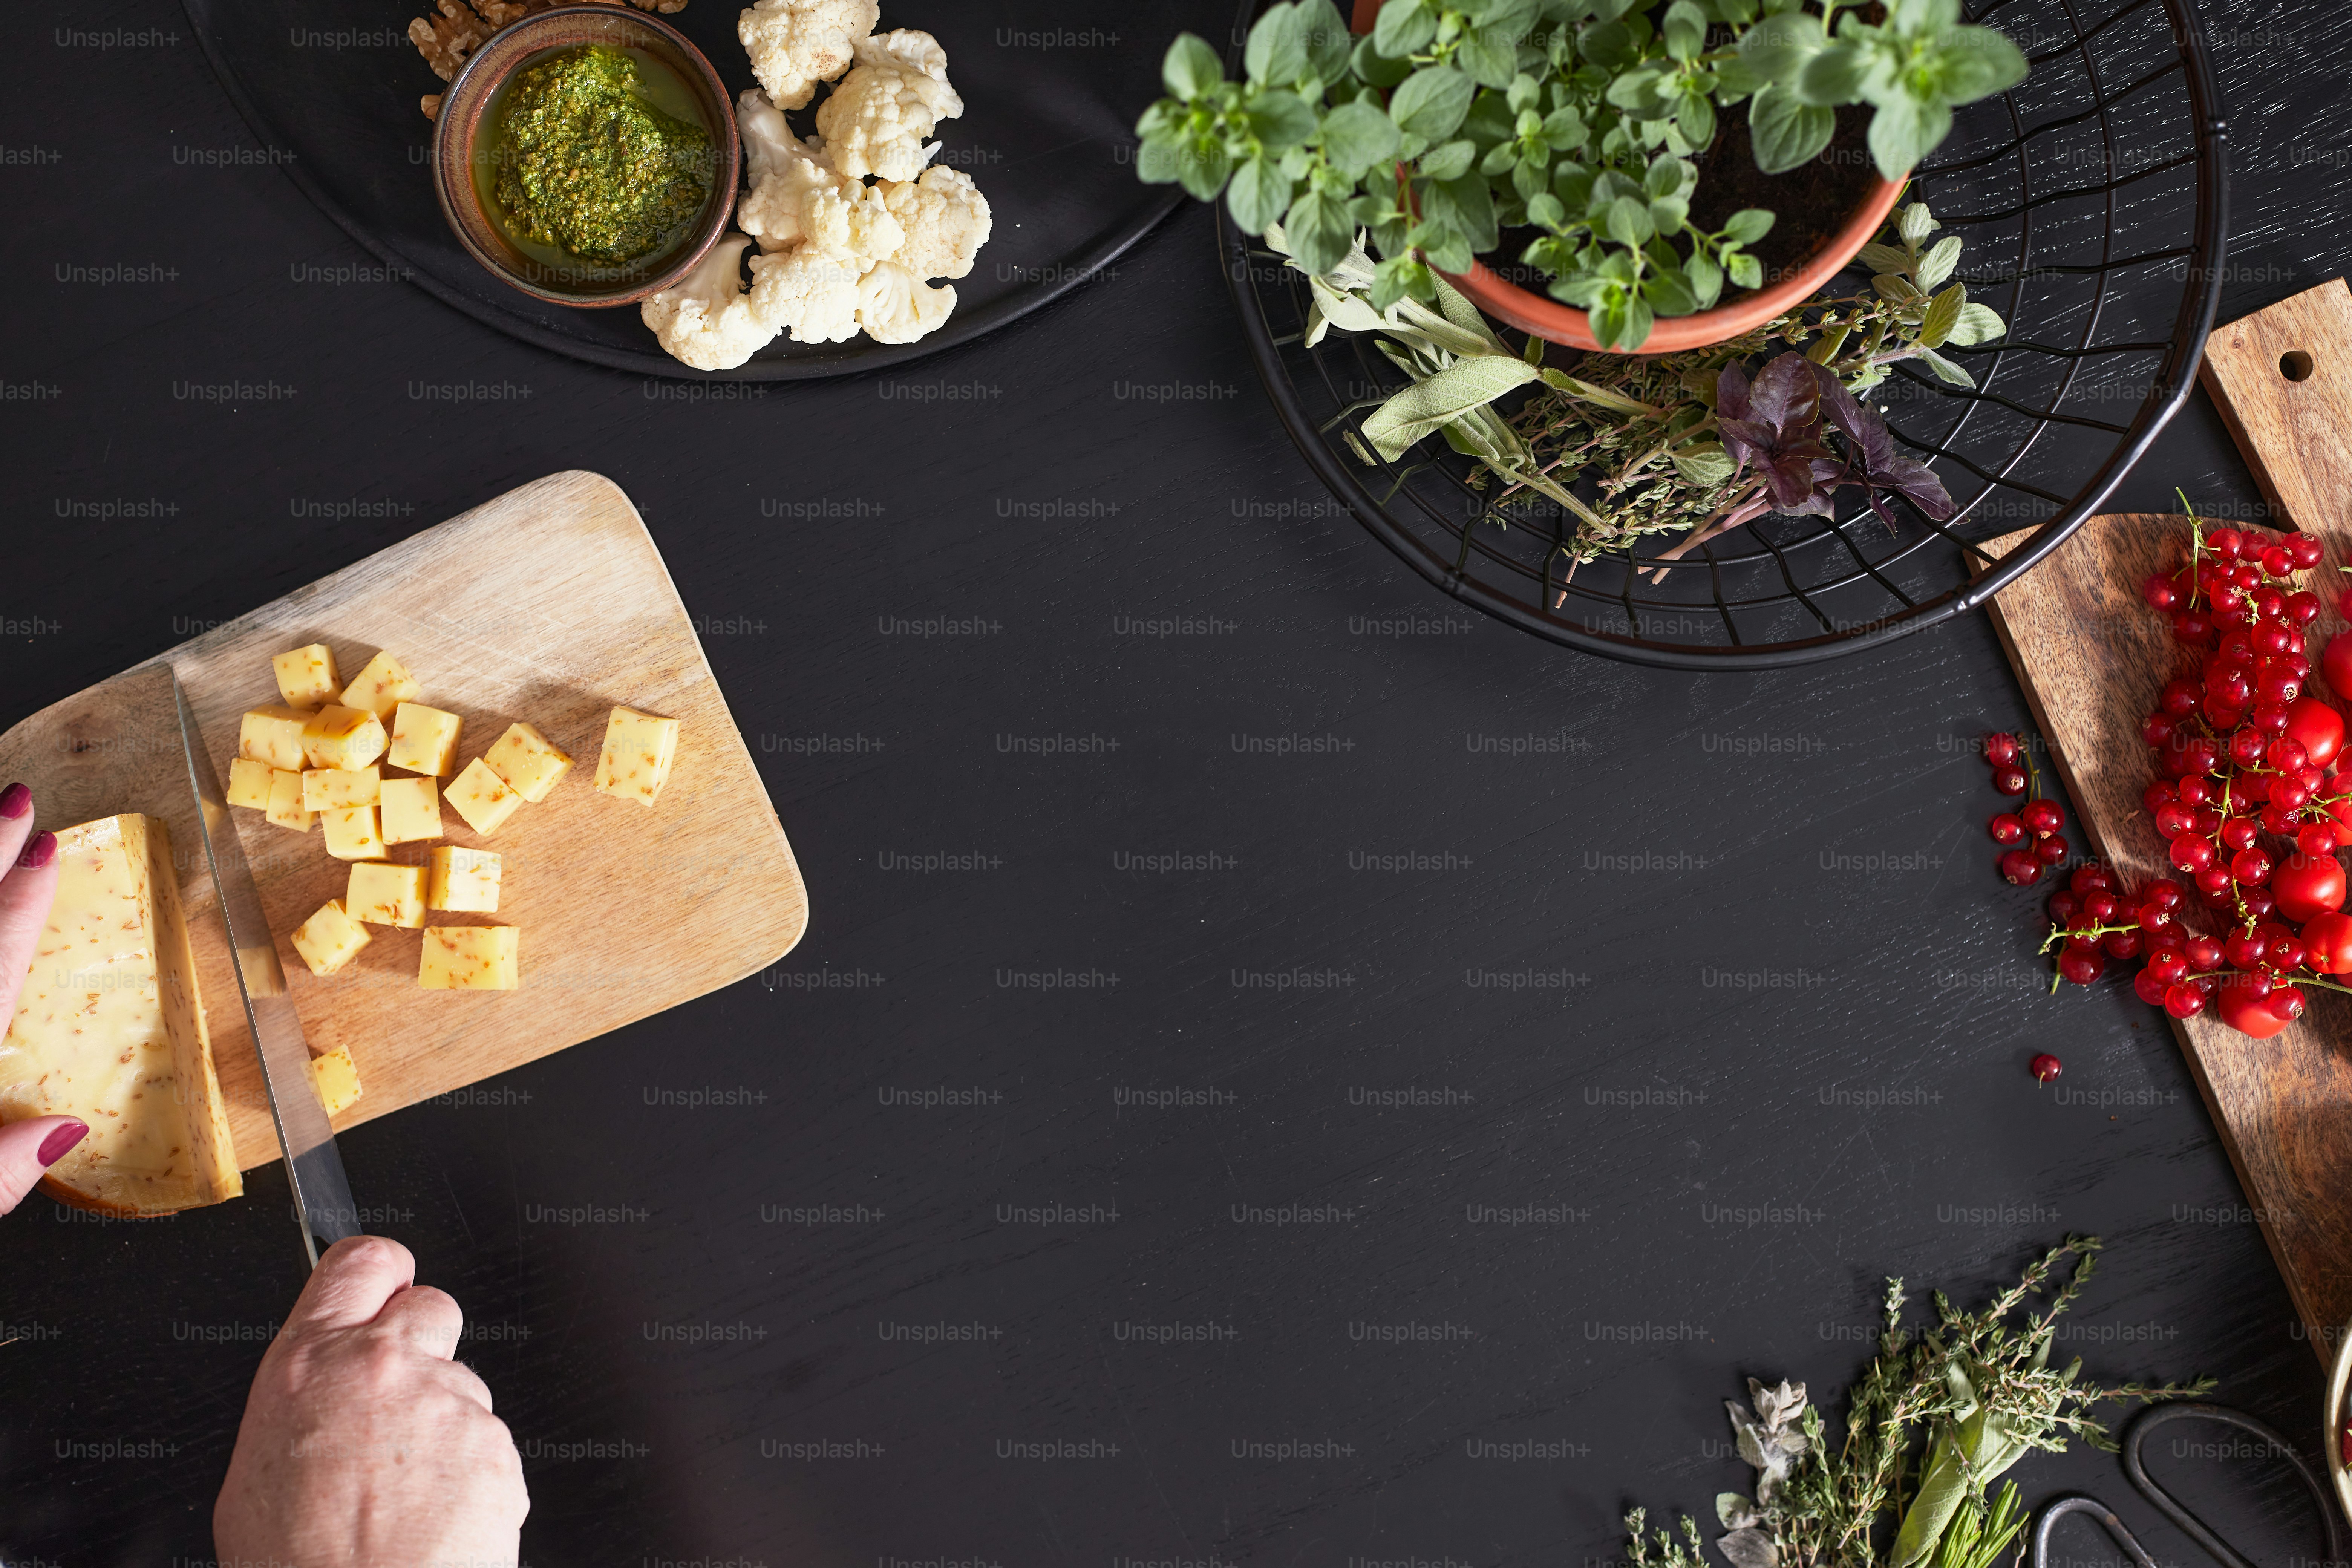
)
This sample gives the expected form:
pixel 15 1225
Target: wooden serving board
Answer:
pixel 550 604
pixel 2092 657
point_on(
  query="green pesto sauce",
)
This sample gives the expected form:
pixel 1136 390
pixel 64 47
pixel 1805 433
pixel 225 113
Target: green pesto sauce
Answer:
pixel 588 164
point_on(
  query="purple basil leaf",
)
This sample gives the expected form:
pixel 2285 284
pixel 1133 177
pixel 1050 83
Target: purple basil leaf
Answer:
pixel 1785 394
pixel 1731 392
pixel 1918 481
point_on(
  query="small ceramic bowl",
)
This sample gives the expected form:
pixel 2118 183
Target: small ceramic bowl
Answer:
pixel 463 123
pixel 2331 1436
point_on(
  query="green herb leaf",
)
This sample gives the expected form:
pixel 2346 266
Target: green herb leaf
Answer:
pixel 1744 270
pixel 1358 137
pixel 1374 69
pixel 1943 315
pixel 1905 129
pixel 1490 57
pixel 1788 133
pixel 1317 228
pixel 1405 27
pixel 1970 63
pixel 1883 259
pixel 1841 73
pixel 1449 162
pixel 1938 264
pixel 1778 47
pixel 1327 40
pixel 1669 294
pixel 1426 406
pixel 1158 162
pixel 1916 224
pixel 1684 28
pixel 1275 54
pixel 1191 68
pixel 1705 280
pixel 1628 221
pixel 1257 196
pixel 1545 210
pixel 1432 100
pixel 1203 171
pixel 1747 226
pixel 1978 325
pixel 1280 119
pixel 1945 371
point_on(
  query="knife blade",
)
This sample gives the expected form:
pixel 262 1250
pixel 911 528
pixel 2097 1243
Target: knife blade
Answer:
pixel 323 1194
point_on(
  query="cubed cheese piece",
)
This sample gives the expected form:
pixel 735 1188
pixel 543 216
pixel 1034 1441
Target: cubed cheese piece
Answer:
pixel 110 1029
pixel 306 676
pixel 273 735
pixel 424 740
pixel 353 833
pixel 342 738
pixel 286 807
pixel 638 750
pixel 382 687
pixel 467 958
pixel 325 788
pixel 464 880
pixel 482 798
pixel 337 1080
pixel 409 809
pixel 528 761
pixel 248 783
pixel 330 939
pixel 384 895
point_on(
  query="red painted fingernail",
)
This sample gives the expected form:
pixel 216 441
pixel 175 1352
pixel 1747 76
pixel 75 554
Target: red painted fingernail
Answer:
pixel 39 852
pixel 60 1139
pixel 15 801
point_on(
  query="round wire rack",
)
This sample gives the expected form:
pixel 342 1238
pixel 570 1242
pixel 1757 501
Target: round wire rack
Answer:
pixel 2093 201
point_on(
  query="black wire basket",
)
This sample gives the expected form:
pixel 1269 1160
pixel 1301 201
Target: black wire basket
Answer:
pixel 2093 204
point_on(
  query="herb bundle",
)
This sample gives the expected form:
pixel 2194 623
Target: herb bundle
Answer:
pixel 1932 1421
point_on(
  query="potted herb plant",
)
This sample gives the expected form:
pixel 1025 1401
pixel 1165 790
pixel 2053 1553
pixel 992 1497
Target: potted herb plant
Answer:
pixel 1633 156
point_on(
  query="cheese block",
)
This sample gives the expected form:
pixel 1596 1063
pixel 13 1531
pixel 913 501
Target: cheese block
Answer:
pixel 424 740
pixel 353 832
pixel 528 761
pixel 273 735
pixel 466 880
pixel 323 789
pixel 482 798
pixel 337 1080
pixel 248 783
pixel 306 676
pixel 410 810
pixel 286 807
pixel 342 738
pixel 387 895
pixel 638 751
pixel 110 1029
pixel 467 958
pixel 330 939
pixel 382 687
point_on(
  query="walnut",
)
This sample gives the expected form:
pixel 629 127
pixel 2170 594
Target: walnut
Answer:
pixel 446 40
pixel 431 104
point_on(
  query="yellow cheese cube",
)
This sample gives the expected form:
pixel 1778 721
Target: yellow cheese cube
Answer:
pixel 384 895
pixel 467 958
pixel 528 761
pixel 464 880
pixel 410 809
pixel 286 807
pixel 353 833
pixel 329 939
pixel 336 1080
pixel 248 783
pixel 638 750
pixel 424 740
pixel 482 798
pixel 342 738
pixel 306 676
pixel 273 735
pixel 325 788
pixel 382 687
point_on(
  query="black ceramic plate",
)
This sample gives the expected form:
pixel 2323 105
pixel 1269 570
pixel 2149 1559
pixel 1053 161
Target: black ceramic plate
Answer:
pixel 1051 92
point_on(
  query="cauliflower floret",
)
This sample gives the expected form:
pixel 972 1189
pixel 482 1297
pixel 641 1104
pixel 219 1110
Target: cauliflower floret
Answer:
pixel 796 44
pixel 895 305
pixel 945 219
pixel 876 120
pixel 706 320
pixel 796 197
pixel 808 291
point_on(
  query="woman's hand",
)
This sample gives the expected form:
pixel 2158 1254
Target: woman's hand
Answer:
pixel 362 1441
pixel 28 883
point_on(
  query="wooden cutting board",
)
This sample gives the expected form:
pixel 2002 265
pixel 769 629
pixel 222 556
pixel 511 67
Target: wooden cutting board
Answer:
pixel 550 605
pixel 2092 657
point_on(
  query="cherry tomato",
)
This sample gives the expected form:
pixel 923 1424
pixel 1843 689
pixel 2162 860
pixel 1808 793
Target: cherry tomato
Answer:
pixel 2317 727
pixel 2328 941
pixel 2336 664
pixel 2248 1014
pixel 2307 885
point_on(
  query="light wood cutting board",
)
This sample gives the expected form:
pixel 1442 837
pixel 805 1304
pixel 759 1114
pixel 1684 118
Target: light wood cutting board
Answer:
pixel 2092 657
pixel 550 604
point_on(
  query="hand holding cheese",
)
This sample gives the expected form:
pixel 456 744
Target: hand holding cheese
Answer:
pixel 363 1442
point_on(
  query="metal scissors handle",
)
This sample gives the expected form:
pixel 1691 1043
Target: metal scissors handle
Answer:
pixel 2171 1507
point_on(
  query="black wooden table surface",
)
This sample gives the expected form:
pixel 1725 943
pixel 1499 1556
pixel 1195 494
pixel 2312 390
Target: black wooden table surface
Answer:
pixel 1356 1086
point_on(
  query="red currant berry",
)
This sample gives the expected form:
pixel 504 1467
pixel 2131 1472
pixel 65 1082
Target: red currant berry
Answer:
pixel 2180 697
pixel 2162 894
pixel 2247 574
pixel 2195 792
pixel 2172 820
pixel 2213 883
pixel 2286 754
pixel 2238 833
pixel 2191 854
pixel 2246 746
pixel 2123 945
pixel 2231 689
pixel 2051 851
pixel 2222 545
pixel 2243 949
pixel 2161 595
pixel 2250 790
pixel 2156 729
pixel 2090 877
pixel 2204 953
pixel 2064 907
pixel 2302 608
pixel 2270 717
pixel 2288 795
pixel 2307 549
pixel 2009 781
pixel 2259 901
pixel 2045 1067
pixel 2285 1003
pixel 2168 965
pixel 2020 868
pixel 2272 639
pixel 2157 793
pixel 2191 627
pixel 2315 840
pixel 2281 686
pixel 2208 823
pixel 2008 828
pixel 2278 819
pixel 2250 868
pixel 2000 749
pixel 2183 1001
pixel 2042 817
pixel 2080 968
pixel 2147 988
pixel 2099 907
pixel 2235 647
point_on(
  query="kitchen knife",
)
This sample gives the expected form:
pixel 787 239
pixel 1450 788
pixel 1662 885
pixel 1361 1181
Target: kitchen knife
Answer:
pixel 323 1194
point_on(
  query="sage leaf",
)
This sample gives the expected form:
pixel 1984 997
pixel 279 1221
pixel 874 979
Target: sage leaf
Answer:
pixel 1883 259
pixel 1938 264
pixel 1749 1548
pixel 1916 224
pixel 1190 69
pixel 1978 325
pixel 1708 464
pixel 1945 371
pixel 1943 315
pixel 1445 396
